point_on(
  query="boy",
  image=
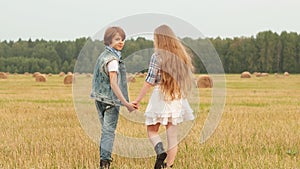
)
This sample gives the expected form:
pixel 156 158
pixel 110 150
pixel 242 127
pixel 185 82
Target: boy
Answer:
pixel 109 89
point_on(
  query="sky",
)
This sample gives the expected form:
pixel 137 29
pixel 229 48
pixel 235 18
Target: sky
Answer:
pixel 71 19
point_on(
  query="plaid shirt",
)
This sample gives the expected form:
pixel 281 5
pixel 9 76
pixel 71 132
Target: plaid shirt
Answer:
pixel 153 75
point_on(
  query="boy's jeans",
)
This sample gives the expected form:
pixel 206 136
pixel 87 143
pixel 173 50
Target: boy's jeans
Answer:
pixel 108 117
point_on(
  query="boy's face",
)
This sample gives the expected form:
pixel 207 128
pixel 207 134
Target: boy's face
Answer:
pixel 117 42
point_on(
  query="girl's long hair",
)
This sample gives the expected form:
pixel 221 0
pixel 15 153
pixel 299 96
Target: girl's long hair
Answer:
pixel 176 66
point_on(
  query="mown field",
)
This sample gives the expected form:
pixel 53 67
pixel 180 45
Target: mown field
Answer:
pixel 259 128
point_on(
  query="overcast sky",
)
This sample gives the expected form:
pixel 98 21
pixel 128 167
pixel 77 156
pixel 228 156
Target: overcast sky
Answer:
pixel 71 19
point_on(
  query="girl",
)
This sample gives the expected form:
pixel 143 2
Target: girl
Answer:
pixel 170 73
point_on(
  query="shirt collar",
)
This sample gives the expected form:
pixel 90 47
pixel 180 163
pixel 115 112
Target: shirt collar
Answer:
pixel 118 53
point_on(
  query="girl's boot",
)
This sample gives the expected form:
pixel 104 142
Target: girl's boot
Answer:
pixel 161 155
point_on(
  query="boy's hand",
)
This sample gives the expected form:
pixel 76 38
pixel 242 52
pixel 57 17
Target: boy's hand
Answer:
pixel 130 107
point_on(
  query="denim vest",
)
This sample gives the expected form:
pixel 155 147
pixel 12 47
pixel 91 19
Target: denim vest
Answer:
pixel 101 89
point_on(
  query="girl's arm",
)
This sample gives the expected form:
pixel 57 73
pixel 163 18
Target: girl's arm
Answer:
pixel 143 92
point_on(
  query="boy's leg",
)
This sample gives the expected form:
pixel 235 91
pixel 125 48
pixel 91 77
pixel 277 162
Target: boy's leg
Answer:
pixel 109 125
pixel 108 117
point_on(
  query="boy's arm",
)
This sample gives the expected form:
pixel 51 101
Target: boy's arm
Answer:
pixel 113 77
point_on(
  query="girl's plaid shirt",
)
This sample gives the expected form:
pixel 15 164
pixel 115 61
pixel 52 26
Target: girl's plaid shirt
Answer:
pixel 154 74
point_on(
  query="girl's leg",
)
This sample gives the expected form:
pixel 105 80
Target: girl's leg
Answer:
pixel 172 143
pixel 153 135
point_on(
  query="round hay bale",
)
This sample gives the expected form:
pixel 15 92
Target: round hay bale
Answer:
pixel 264 74
pixel 88 75
pixel 36 74
pixel 246 75
pixel 3 75
pixel 49 74
pixel 69 73
pixel 286 74
pixel 131 79
pixel 69 79
pixel 258 74
pixel 62 74
pixel 26 74
pixel 40 78
pixel 204 81
pixel 140 75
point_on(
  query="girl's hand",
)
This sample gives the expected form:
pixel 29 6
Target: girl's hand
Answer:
pixel 135 104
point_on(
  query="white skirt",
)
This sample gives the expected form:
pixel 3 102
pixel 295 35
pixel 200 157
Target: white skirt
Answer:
pixel 161 111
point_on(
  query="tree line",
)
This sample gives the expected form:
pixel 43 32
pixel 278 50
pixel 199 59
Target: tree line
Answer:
pixel 266 52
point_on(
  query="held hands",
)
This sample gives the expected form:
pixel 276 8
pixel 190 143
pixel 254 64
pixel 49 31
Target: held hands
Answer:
pixel 131 107
pixel 136 104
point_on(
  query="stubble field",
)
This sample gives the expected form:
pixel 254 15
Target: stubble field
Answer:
pixel 260 127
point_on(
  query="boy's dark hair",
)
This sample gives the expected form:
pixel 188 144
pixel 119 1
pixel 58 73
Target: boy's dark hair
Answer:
pixel 111 32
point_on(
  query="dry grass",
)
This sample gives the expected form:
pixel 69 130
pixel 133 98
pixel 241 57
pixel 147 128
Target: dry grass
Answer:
pixel 260 127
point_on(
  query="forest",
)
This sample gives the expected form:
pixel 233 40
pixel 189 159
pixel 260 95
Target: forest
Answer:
pixel 267 51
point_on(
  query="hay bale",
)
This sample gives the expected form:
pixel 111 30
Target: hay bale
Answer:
pixel 69 79
pixel 139 75
pixel 36 74
pixel 286 74
pixel 62 74
pixel 257 74
pixel 264 74
pixel 40 78
pixel 204 81
pixel 49 74
pixel 69 73
pixel 3 75
pixel 26 74
pixel 88 75
pixel 131 79
pixel 246 75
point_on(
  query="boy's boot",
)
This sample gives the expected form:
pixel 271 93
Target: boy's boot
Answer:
pixel 104 164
